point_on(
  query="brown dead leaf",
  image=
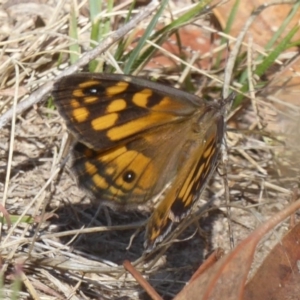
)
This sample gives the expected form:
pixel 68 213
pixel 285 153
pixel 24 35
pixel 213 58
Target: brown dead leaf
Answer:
pixel 266 23
pixel 193 39
pixel 278 278
pixel 194 43
pixel 226 278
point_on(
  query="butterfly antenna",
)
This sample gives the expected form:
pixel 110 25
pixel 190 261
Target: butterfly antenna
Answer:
pixel 228 101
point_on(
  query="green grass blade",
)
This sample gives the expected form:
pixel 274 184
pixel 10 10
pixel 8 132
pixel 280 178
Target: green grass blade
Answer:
pixel 96 29
pixel 135 53
pixel 107 21
pixel 95 9
pixel 100 28
pixel 274 38
pixel 15 218
pixel 162 35
pixel 16 285
pixel 185 18
pixel 288 19
pixel 268 61
pixel 73 33
pixel 231 18
pixel 122 43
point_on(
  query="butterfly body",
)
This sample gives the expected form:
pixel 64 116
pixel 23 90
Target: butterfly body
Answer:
pixel 135 138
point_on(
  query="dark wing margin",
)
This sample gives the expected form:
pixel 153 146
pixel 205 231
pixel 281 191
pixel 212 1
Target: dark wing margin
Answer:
pixel 171 211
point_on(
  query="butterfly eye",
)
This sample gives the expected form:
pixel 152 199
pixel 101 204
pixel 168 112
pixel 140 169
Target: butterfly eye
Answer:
pixel 129 176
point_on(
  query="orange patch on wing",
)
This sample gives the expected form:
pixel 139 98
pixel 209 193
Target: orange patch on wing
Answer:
pixel 116 89
pixel 141 98
pixel 74 103
pixel 90 99
pixel 116 105
pixel 80 114
pixel 104 122
pixel 88 84
pixel 119 132
pixel 90 168
pixel 100 182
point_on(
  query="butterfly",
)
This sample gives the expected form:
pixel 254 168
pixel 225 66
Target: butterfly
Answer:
pixel 137 139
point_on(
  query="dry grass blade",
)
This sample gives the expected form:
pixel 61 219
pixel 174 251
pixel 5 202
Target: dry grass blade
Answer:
pixel 54 243
pixel 39 94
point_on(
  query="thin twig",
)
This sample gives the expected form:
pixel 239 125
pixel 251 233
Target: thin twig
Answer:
pixel 141 280
pixel 40 93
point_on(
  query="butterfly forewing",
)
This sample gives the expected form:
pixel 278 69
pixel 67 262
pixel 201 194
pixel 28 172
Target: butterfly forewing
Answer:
pixel 104 110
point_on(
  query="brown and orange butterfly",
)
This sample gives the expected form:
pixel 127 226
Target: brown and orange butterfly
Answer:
pixel 137 138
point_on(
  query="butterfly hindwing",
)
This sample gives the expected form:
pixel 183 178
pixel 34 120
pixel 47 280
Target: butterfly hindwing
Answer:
pixel 129 175
pixel 188 184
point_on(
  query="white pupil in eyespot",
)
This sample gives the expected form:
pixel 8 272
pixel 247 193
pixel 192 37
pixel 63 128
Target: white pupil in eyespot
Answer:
pixel 93 90
pixel 129 176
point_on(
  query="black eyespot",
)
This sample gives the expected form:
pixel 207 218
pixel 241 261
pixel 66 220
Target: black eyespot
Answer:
pixel 94 90
pixel 129 176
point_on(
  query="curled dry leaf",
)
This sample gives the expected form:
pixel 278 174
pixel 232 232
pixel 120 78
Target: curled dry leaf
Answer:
pixel 227 277
pixel 278 277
